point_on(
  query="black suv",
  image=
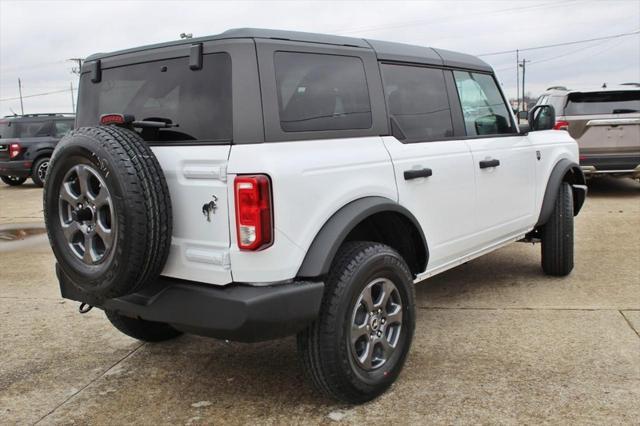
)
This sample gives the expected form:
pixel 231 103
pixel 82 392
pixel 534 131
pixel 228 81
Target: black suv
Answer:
pixel 26 144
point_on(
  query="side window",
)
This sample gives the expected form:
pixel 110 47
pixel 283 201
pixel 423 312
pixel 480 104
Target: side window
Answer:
pixel 417 101
pixel 62 127
pixel 483 107
pixel 542 100
pixel 557 102
pixel 321 92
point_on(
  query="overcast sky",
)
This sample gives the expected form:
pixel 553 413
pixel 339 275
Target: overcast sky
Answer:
pixel 37 37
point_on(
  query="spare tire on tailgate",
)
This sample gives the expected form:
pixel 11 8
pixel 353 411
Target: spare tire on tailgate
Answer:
pixel 108 211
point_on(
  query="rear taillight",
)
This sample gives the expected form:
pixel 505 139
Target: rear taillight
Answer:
pixel 561 125
pixel 254 225
pixel 14 150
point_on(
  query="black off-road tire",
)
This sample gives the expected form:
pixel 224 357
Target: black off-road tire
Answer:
pixel 13 180
pixel 147 331
pixel 36 171
pixel 141 204
pixel 324 348
pixel 557 235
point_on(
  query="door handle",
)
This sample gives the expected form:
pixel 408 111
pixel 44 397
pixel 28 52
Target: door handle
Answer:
pixel 415 174
pixel 485 164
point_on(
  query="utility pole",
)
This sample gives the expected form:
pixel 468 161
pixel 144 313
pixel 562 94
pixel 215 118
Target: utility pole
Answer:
pixel 20 90
pixel 523 65
pixel 73 100
pixel 518 84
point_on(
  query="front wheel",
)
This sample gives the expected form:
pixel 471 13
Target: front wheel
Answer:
pixel 357 347
pixel 13 180
pixel 557 236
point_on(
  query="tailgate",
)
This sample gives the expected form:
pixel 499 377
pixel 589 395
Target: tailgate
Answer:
pixel 197 179
pixel 614 134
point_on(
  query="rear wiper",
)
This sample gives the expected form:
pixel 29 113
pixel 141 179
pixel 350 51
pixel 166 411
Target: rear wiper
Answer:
pixel 624 111
pixel 152 124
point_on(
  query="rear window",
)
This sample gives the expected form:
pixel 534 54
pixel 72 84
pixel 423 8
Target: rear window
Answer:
pixel 417 101
pixel 24 129
pixel 603 103
pixel 321 92
pixel 198 102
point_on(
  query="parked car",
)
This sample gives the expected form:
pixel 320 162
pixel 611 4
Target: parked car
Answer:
pixel 606 124
pixel 258 183
pixel 26 144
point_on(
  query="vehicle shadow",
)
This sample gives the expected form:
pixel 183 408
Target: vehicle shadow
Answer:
pixel 27 185
pixel 601 187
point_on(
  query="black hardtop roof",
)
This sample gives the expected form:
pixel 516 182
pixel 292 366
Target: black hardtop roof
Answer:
pixel 386 51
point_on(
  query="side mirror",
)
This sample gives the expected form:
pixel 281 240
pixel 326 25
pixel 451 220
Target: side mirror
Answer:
pixel 542 117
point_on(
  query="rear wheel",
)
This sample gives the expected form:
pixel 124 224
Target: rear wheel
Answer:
pixel 39 171
pixel 13 180
pixel 356 348
pixel 557 236
pixel 148 331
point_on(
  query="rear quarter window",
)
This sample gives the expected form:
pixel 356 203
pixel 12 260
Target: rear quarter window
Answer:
pixel 25 129
pixel 319 92
pixel 613 102
pixel 199 102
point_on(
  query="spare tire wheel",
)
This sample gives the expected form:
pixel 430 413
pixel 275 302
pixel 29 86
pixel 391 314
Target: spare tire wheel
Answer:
pixel 108 211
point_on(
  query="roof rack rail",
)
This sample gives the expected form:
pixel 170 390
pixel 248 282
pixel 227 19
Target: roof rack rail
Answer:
pixel 630 84
pixel 557 88
pixel 42 114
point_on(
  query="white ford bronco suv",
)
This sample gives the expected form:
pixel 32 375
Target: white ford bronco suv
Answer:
pixel 257 184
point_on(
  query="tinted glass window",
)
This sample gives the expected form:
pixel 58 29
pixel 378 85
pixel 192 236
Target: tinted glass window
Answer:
pixel 417 101
pixel 25 129
pixel 483 107
pixel 198 102
pixel 603 103
pixel 321 92
pixel 62 127
pixel 557 102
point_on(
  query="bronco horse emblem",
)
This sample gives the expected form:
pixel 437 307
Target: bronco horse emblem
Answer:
pixel 210 208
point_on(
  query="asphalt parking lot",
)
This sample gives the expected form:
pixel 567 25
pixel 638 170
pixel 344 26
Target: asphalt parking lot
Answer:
pixel 496 342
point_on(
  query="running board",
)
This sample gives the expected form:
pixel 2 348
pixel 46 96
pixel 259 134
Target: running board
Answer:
pixel 430 273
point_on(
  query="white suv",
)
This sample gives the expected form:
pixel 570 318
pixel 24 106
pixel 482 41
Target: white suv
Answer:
pixel 258 184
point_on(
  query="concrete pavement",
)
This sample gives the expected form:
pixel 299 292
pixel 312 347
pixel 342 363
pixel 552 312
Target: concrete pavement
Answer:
pixel 496 342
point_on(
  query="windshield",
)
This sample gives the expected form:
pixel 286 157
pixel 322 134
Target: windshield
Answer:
pixel 196 102
pixel 603 103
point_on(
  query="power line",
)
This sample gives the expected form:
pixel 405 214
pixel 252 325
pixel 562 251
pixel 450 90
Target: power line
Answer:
pixel 568 43
pixel 35 95
pixel 453 17
pixel 552 58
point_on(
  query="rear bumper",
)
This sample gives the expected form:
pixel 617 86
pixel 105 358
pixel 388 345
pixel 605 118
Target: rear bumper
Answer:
pixel 628 164
pixel 18 168
pixel 235 312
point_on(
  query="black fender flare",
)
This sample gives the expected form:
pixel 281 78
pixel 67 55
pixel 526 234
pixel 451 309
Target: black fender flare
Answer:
pixel 43 149
pixel 333 233
pixel 564 171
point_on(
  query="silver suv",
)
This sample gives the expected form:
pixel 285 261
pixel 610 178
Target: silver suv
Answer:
pixel 606 124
